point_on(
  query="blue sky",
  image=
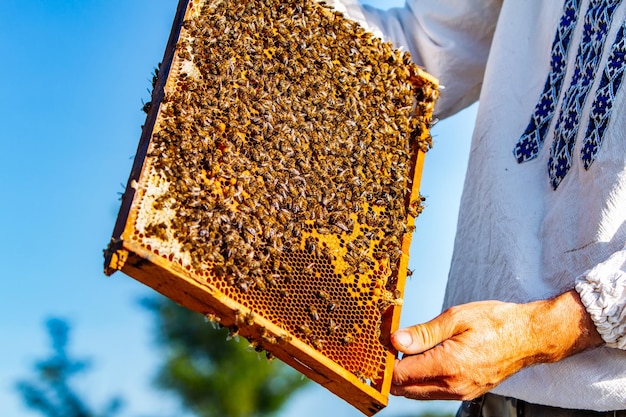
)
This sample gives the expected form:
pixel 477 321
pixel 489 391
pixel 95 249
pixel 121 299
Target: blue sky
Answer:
pixel 73 78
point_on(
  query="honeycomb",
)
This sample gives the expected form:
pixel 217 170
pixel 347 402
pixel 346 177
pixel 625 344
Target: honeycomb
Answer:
pixel 276 180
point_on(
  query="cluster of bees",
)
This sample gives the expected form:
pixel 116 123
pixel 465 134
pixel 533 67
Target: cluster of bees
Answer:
pixel 286 137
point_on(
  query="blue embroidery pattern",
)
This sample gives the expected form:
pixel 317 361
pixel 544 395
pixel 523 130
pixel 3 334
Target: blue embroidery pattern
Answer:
pixel 597 21
pixel 603 102
pixel 530 143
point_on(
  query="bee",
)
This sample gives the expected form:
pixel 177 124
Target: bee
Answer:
pixel 243 285
pixel 323 295
pixel 350 270
pixel 313 313
pixel 267 337
pixel 249 318
pixel 395 254
pixel 332 327
pixel 158 230
pixel 416 206
pixel 348 339
pixel 286 267
pixel 254 346
pixel 380 255
pixel 413 211
pixel 213 319
pixel 317 343
pixel 155 75
pixel 306 330
pixel 284 338
pixel 360 376
pixel 239 318
pixel 325 253
pixel 271 280
pixel 145 107
pixel 233 333
pixel 323 230
pixel 276 265
pixel 310 244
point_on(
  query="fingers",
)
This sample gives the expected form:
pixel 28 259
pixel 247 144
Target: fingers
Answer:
pixel 422 369
pixel 429 392
pixel 421 337
pixel 419 377
pixel 425 392
pixel 428 376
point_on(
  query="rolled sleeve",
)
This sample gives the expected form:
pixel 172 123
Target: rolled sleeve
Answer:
pixel 603 292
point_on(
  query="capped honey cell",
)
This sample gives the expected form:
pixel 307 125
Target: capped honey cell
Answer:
pixel 276 184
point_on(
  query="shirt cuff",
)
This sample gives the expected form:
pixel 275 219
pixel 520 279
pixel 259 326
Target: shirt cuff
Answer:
pixel 603 293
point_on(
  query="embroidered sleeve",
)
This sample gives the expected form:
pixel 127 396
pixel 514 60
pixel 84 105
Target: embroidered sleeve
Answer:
pixel 449 38
pixel 603 292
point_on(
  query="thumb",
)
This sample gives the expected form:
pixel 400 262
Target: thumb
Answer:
pixel 421 337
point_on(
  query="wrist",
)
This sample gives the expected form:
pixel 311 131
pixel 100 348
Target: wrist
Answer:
pixel 563 327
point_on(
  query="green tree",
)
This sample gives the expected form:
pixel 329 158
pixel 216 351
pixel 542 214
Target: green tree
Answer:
pixel 213 376
pixel 50 391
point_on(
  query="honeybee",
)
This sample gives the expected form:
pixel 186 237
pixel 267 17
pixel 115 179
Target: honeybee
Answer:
pixel 349 271
pixel 145 107
pixel 332 305
pixel 348 339
pixel 286 267
pixel 213 319
pixel 310 244
pixel 259 283
pixel 360 376
pixel 317 343
pixel 306 330
pixel 332 327
pixel 276 265
pixel 266 336
pixel 233 334
pixel 271 280
pixel 254 346
pixel 249 318
pixel 313 313
pixel 323 295
pixel 239 318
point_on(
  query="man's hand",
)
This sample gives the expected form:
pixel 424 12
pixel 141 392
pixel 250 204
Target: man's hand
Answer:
pixel 471 348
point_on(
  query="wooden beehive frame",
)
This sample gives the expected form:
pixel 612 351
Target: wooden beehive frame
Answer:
pixel 177 280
